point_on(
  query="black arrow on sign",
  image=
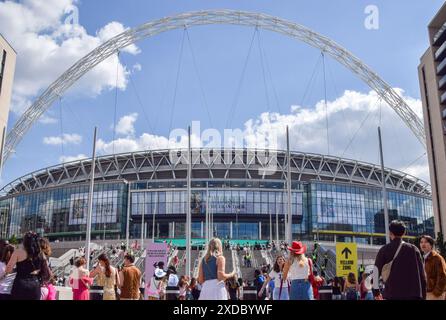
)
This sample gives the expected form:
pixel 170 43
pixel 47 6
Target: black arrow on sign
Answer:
pixel 346 252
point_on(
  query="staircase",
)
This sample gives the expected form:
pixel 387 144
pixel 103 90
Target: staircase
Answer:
pixel 329 266
pixel 246 273
pixel 181 268
pixel 229 266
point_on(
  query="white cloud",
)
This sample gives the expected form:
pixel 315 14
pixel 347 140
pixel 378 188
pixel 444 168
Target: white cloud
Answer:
pixel 48 46
pixel 45 119
pixel 65 139
pixel 113 29
pixel 137 67
pixel 421 171
pixel 308 132
pixel 144 142
pixel 126 125
pixel 65 159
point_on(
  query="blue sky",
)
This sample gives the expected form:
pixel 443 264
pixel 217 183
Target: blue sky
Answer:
pixel 46 49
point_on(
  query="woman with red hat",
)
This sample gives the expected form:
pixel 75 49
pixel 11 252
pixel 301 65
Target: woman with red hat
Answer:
pixel 298 271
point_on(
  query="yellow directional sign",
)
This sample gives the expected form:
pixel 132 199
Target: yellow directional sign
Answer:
pixel 346 259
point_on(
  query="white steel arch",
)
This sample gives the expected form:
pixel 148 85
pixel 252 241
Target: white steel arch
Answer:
pixel 241 18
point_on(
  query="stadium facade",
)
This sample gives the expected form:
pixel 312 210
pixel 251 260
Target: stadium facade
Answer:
pixel 333 199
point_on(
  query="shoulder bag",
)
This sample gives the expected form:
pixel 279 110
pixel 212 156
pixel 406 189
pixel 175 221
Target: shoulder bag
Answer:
pixel 385 273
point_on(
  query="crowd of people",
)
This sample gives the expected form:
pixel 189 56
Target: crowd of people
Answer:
pixel 405 273
pixel 25 273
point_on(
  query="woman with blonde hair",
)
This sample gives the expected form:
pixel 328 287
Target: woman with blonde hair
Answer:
pixel 211 273
pixel 298 270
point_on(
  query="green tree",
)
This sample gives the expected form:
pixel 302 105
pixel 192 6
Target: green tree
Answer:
pixel 13 240
pixel 441 245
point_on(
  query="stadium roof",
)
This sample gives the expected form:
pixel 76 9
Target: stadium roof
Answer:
pixel 216 165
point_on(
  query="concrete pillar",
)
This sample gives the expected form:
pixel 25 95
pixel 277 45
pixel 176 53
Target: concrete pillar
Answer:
pixel 201 230
pixel 230 230
pixel 260 230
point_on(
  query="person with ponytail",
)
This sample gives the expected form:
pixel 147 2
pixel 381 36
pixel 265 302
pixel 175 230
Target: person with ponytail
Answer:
pixel 108 277
pixel 46 277
pixel 211 273
pixel 32 269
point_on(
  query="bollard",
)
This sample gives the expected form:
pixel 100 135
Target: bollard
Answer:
pixel 325 293
pixel 250 293
pixel 96 293
pixel 172 293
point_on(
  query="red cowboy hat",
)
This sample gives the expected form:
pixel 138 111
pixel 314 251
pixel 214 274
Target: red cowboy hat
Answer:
pixel 298 247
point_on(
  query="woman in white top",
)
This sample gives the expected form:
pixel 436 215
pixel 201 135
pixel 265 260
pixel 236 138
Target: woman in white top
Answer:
pixel 6 281
pixel 298 270
pixel 281 288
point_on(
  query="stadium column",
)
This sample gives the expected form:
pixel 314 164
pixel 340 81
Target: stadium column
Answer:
pixel 201 230
pixel 260 230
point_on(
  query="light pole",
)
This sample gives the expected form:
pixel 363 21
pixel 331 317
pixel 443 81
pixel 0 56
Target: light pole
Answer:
pixel 384 189
pixel 127 231
pixel 142 219
pixel 188 212
pixel 153 222
pixel 289 224
pixel 277 228
pixel 90 199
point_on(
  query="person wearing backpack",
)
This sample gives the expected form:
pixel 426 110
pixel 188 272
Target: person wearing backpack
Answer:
pixel 401 267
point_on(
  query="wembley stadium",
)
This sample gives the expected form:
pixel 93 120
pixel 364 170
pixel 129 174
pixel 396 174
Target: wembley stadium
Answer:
pixel 332 199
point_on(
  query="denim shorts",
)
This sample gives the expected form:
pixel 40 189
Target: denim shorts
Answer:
pixel 301 290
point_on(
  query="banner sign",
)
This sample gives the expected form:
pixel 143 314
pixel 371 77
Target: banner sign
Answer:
pixel 155 253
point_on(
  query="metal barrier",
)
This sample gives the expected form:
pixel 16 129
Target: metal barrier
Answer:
pixel 96 293
pixel 326 293
pixel 172 293
pixel 249 293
